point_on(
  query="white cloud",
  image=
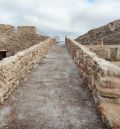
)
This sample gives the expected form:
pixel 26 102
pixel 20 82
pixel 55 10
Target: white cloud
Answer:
pixel 60 16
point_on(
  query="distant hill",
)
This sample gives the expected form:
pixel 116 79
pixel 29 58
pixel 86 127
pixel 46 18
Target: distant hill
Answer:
pixel 108 34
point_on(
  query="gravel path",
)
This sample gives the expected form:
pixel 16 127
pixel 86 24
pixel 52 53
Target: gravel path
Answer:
pixel 52 97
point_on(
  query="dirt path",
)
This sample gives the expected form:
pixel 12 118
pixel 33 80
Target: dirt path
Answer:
pixel 53 97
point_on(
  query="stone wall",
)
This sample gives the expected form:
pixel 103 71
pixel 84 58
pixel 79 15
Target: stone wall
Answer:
pixel 15 68
pixel 102 78
pixel 108 34
pixel 17 39
pixel 108 52
pixel 26 29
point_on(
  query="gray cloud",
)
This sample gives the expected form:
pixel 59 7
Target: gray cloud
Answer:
pixel 60 17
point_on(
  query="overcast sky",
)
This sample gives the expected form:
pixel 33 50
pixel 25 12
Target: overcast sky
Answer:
pixel 60 17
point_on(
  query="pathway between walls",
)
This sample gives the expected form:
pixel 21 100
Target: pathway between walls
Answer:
pixel 52 97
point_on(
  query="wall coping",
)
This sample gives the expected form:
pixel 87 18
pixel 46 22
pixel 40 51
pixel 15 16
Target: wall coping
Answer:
pixel 21 53
pixel 112 46
pixel 104 64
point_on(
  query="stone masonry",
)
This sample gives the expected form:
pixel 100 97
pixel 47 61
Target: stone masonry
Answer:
pixel 15 68
pixel 102 78
pixel 108 52
pixel 17 39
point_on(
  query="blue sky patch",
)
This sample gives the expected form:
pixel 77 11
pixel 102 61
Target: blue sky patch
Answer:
pixel 90 1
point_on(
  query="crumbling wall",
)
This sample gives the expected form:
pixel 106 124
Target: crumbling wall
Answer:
pixel 102 78
pixel 26 29
pixel 5 35
pixel 17 39
pixel 15 68
pixel 27 37
pixel 108 52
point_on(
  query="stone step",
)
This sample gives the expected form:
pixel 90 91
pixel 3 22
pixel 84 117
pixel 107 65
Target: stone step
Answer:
pixel 110 83
pixel 110 114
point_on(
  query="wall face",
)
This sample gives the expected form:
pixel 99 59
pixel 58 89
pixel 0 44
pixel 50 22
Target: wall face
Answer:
pixel 102 78
pixel 26 29
pixel 23 37
pixel 108 34
pixel 108 52
pixel 15 68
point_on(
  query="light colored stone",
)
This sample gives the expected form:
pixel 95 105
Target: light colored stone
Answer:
pixel 17 39
pixel 15 68
pixel 110 113
pixel 103 79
